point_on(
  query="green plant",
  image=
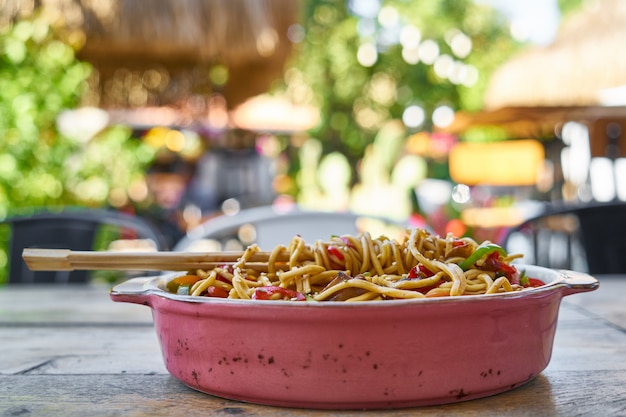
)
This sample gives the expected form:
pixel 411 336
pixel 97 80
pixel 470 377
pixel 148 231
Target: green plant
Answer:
pixel 392 60
pixel 40 78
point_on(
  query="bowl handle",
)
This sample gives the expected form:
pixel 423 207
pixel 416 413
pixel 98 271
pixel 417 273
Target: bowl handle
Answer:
pixel 132 291
pixel 576 282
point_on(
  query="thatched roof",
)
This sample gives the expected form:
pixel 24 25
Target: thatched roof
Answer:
pixel 586 58
pixel 178 42
pixel 183 32
pixel 536 92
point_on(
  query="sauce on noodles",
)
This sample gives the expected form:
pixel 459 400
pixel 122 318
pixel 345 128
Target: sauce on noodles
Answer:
pixel 360 268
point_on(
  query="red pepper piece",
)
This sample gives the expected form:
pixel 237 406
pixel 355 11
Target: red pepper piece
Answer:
pixel 335 256
pixel 334 251
pixel 269 292
pixel 534 282
pixel 421 272
pixel 216 292
pixel 494 263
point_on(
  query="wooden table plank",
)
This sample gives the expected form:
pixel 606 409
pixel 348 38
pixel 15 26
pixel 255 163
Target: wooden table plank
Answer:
pixel 63 304
pixel 161 395
pixel 607 302
pixel 73 350
pixel 588 345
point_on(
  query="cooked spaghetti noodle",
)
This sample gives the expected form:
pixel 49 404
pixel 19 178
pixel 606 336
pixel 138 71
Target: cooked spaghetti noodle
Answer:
pixel 360 268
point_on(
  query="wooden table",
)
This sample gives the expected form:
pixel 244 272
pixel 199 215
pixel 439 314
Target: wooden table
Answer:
pixel 70 351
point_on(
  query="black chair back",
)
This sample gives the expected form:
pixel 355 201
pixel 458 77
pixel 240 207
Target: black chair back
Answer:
pixel 69 229
pixel 589 237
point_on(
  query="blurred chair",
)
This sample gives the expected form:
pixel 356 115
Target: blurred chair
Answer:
pixel 589 238
pixel 268 227
pixel 78 230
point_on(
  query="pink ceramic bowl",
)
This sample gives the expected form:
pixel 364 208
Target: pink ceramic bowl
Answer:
pixel 372 354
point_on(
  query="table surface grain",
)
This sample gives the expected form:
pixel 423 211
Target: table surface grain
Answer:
pixel 70 351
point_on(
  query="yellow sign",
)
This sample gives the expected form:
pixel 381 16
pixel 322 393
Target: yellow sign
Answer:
pixel 506 163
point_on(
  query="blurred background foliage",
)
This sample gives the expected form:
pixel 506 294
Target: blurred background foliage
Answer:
pixel 365 63
pixel 384 75
pixel 40 166
pixel 40 79
pixel 566 7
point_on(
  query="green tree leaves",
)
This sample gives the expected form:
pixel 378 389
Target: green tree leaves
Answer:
pixel 365 63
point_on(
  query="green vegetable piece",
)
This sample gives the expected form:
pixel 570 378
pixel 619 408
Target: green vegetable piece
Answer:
pixel 172 287
pixel 484 249
pixel 523 279
pixel 183 290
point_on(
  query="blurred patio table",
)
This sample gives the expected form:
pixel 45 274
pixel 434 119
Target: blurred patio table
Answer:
pixel 70 351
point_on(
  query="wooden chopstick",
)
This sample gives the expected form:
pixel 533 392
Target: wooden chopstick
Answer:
pixel 67 260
